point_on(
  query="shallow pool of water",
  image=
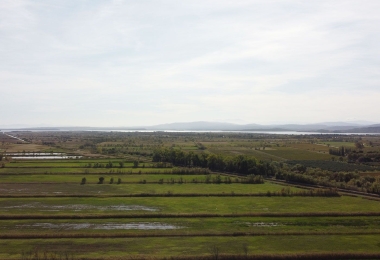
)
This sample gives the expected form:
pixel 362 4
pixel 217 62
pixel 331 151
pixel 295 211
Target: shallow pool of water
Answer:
pixel 80 207
pixel 105 226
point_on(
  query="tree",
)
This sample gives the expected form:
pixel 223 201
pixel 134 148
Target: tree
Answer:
pixel 121 164
pixel 214 250
pixel 118 181
pixel 359 145
pixel 101 180
pixel 111 180
pixel 135 164
pixel 83 181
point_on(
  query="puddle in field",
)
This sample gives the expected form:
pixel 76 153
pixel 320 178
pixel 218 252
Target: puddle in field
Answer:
pixel 44 157
pixel 260 224
pixel 33 156
pixel 80 207
pixel 13 190
pixel 106 226
pixel 263 224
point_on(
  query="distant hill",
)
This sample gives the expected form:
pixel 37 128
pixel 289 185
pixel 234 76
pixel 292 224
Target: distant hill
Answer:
pixel 328 127
pixel 218 126
pixel 369 129
pixel 193 126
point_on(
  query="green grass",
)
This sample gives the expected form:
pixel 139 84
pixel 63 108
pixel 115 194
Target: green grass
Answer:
pixel 298 232
pixel 298 154
pixel 191 226
pixel 310 147
pixel 93 179
pixel 176 205
pixel 159 247
pixel 104 189
pixel 233 151
pixel 339 144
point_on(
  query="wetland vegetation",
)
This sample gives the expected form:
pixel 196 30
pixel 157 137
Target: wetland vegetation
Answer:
pixel 156 195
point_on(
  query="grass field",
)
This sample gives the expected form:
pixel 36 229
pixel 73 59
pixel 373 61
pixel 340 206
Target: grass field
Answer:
pixel 159 247
pixel 55 189
pixel 339 144
pixel 192 226
pixel 93 179
pixel 298 154
pixel 174 205
pixel 104 221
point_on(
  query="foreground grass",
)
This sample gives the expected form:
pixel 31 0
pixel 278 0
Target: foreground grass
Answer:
pixel 161 247
pixel 175 205
pixel 190 226
pixel 54 189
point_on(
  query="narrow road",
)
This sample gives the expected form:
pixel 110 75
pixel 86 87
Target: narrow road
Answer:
pixel 14 137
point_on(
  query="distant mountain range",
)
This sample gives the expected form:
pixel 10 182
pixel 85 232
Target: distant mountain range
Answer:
pixel 327 127
pixel 333 127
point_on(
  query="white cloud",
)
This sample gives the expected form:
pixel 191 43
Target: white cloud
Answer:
pixel 94 62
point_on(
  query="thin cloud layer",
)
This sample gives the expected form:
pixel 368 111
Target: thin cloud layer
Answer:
pixel 126 63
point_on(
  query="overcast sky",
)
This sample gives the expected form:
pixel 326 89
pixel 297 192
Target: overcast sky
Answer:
pixel 129 63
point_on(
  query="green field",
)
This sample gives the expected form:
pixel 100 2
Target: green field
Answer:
pixel 298 154
pixel 163 213
pixel 189 205
pixel 339 144
pixel 192 226
pixel 68 170
pixel 93 179
pixel 56 189
pixel 104 248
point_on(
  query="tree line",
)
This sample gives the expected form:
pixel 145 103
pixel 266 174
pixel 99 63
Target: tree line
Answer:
pixel 240 164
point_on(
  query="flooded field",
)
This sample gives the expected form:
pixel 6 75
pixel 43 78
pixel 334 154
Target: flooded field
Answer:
pixel 105 226
pixel 41 156
pixel 77 207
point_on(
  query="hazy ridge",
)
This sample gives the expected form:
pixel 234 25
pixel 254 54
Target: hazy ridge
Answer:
pixel 327 127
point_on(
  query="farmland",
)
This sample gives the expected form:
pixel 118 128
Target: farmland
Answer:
pixel 196 195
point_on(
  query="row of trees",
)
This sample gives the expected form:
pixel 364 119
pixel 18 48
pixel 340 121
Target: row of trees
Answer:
pixel 241 164
pixel 110 165
pixel 246 165
pixel 341 151
pixel 344 180
pixel 101 180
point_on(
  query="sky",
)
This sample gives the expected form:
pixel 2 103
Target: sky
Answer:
pixel 136 63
